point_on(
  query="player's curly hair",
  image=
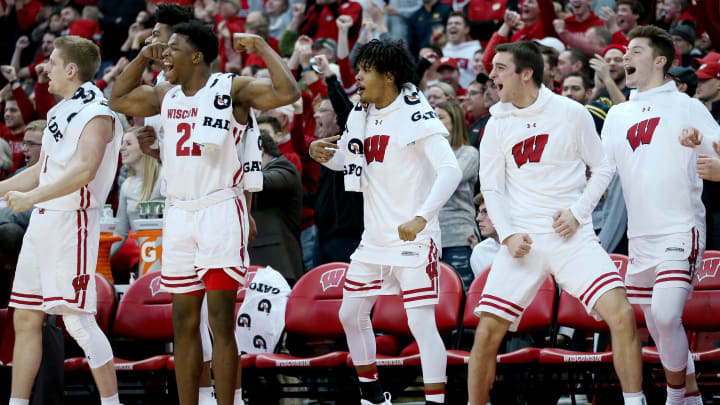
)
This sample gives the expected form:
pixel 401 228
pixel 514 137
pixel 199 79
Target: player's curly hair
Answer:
pixel 201 37
pixel 172 14
pixel 388 56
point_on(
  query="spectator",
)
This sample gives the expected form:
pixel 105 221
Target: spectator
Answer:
pixel 550 60
pixel 277 124
pixel 572 60
pixel 258 24
pixel 141 184
pixel 675 11
pixel 277 212
pixel 426 22
pixel 621 23
pixel 708 88
pixel 278 14
pixel 578 87
pixel 46 47
pixel 317 22
pixel 683 36
pixel 439 92
pixel 456 216
pixel 483 253
pixel 116 16
pixel 685 78
pixel 6 160
pixel 32 143
pixel 490 97
pixel 460 46
pixel 581 20
pixel 474 105
pixel 397 14
pixel 485 16
pixel 477 66
pixel 448 72
pixel 13 131
pixel 610 75
pixel 426 67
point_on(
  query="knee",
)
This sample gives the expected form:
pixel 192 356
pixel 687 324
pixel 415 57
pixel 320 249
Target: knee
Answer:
pixel 26 321
pixel 665 319
pixel 349 318
pixel 488 335
pixel 78 327
pixel 622 319
pixel 222 320
pixel 185 322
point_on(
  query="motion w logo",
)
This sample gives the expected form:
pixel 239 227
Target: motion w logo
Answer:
pixel 642 132
pixel 529 150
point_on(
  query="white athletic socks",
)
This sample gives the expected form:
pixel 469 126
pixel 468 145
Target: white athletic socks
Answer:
pixel 675 394
pixel 113 400
pixel 634 398
pixel 238 397
pixel 18 401
pixel 206 396
pixel 435 396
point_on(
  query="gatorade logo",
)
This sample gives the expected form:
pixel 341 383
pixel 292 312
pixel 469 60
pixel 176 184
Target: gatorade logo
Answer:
pixel 150 253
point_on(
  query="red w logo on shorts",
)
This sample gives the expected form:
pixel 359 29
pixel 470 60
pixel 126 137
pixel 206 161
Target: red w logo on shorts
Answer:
pixel 331 278
pixel 529 150
pixel 642 132
pixel 80 283
pixel 375 148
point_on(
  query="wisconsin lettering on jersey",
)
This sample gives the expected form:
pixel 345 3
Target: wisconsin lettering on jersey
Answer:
pixel 529 150
pixel 375 147
pixel 180 114
pixel 642 132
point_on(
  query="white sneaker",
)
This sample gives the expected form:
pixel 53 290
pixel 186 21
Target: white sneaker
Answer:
pixel 387 401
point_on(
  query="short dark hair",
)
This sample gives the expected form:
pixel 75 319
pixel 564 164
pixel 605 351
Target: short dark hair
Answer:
pixel 12 236
pixel 577 55
pixel 274 123
pixel 201 37
pixel 526 55
pixel 387 56
pixel 458 14
pixel 172 14
pixel 635 6
pixel 660 41
pixel 268 144
pixel 551 53
pixel 587 83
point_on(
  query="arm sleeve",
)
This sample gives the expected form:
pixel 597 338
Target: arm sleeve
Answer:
pixel 318 88
pixel 122 223
pixel 347 75
pixel 577 40
pixel 591 150
pixel 703 120
pixel 441 157
pixel 492 180
pixel 615 215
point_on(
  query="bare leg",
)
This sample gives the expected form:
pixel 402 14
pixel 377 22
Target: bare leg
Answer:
pixel 188 349
pixel 27 353
pixel 106 379
pixel 221 310
pixel 483 357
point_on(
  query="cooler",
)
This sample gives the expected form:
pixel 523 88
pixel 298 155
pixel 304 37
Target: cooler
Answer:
pixel 107 227
pixel 148 234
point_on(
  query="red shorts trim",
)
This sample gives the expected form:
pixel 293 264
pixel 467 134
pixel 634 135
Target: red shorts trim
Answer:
pixel 216 280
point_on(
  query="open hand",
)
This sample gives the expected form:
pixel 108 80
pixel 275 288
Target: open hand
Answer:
pixel 322 150
pixel 708 168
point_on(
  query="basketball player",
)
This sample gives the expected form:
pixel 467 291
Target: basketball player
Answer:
pixel 67 186
pixel 532 175
pixel 204 248
pixel 399 247
pixel 666 231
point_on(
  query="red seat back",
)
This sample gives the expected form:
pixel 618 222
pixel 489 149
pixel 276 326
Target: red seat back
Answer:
pixel 707 277
pixel 537 316
pixel 389 314
pixel 314 302
pixel 145 312
pixel 105 302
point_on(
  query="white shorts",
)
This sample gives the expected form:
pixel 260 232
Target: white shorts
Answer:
pixel 56 267
pixel 579 265
pixel 663 261
pixel 214 237
pixel 419 285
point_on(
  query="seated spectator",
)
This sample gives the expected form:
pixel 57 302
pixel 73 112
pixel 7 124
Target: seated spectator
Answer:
pixel 439 92
pixel 685 78
pixel 456 216
pixel 277 124
pixel 6 160
pixel 460 46
pixel 32 143
pixel 483 253
pixel 141 185
pixel 277 211
pixel 490 97
pixel 13 131
pixel 449 72
pixel 425 22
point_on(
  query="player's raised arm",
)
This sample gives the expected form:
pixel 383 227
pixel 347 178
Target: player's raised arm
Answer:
pixel 263 94
pixel 129 96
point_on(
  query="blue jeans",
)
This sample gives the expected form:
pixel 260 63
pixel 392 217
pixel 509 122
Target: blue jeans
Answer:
pixel 309 244
pixel 459 258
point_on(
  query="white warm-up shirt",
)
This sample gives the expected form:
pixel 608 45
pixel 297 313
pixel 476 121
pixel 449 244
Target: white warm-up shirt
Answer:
pixel 658 175
pixel 533 161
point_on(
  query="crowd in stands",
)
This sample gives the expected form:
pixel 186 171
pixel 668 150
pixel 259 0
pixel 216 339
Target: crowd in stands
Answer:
pixel 304 217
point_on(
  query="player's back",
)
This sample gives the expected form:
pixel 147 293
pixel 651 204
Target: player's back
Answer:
pixel 661 187
pixel 541 147
pixel 190 170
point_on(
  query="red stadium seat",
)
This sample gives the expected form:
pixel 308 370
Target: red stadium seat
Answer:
pixel 389 317
pixel 538 316
pixel 312 312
